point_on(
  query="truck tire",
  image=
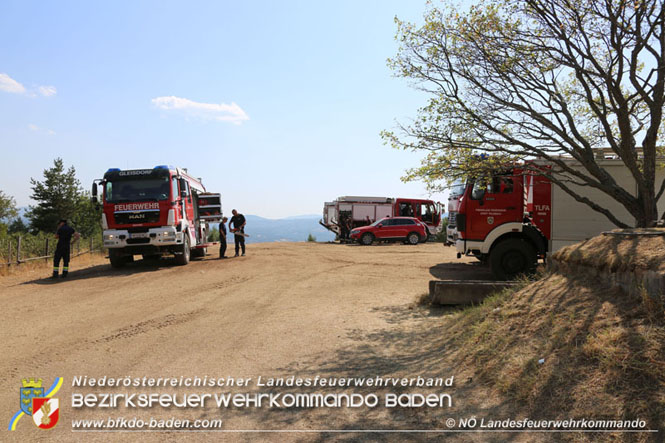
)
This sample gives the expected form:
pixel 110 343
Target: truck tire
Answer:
pixel 199 252
pixel 367 239
pixel 482 258
pixel 512 257
pixel 116 259
pixel 413 238
pixel 185 252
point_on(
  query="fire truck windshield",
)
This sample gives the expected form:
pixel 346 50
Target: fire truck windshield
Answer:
pixel 148 189
pixel 457 189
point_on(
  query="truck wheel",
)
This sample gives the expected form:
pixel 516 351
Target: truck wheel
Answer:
pixel 183 257
pixel 413 238
pixel 117 260
pixel 199 252
pixel 512 257
pixel 482 258
pixel 367 239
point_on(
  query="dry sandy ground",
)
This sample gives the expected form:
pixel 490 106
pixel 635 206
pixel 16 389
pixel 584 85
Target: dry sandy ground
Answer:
pixel 299 309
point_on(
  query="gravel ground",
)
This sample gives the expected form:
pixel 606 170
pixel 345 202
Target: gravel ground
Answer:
pixel 300 309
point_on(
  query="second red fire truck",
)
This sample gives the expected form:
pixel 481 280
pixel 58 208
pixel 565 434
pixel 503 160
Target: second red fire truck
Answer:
pixel 513 217
pixel 362 211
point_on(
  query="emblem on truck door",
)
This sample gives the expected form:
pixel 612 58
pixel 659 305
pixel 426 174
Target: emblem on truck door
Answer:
pixel 490 220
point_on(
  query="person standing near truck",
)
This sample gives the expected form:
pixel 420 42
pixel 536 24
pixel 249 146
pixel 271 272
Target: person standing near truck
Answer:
pixel 64 235
pixel 238 221
pixel 222 238
pixel 344 230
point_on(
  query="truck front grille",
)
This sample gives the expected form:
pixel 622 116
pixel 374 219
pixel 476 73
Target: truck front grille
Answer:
pixel 452 219
pixel 129 218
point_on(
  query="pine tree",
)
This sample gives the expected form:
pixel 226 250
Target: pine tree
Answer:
pixel 60 196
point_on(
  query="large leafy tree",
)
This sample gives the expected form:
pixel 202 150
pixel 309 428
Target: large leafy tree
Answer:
pixel 541 79
pixel 60 196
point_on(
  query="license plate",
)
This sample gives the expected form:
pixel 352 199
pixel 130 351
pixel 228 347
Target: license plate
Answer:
pixel 139 235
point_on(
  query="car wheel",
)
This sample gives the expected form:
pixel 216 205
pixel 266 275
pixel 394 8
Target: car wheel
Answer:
pixel 413 238
pixel 367 239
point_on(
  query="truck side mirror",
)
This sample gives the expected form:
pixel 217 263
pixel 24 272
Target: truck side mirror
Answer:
pixel 380 225
pixel 183 187
pixel 94 193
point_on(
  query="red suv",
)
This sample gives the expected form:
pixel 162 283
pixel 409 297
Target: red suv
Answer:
pixel 409 229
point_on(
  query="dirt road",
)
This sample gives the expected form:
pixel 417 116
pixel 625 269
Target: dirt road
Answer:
pixel 286 309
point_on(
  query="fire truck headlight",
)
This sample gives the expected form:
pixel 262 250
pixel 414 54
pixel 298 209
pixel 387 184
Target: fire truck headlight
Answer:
pixel 108 237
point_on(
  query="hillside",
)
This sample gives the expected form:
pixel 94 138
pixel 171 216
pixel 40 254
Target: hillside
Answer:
pixel 295 228
pixel 573 344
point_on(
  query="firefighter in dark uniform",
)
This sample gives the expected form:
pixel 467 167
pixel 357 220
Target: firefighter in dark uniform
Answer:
pixel 64 235
pixel 238 221
pixel 344 229
pixel 222 238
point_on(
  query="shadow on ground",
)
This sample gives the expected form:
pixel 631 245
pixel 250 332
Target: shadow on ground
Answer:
pixel 461 271
pixel 493 354
pixel 105 270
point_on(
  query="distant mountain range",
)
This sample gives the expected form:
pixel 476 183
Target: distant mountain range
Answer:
pixel 297 228
pixel 262 230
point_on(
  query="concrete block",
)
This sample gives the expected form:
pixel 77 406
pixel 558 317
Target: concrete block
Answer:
pixel 464 292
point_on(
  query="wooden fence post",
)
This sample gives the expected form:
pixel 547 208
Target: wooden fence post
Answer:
pixel 91 244
pixel 18 250
pixel 46 250
pixel 9 252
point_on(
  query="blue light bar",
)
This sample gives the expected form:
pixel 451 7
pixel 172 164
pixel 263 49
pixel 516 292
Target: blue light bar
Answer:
pixel 113 170
pixel 163 167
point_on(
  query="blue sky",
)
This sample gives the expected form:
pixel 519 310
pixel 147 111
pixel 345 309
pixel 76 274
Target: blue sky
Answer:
pixel 277 105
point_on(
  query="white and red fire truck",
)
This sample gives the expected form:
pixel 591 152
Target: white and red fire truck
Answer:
pixel 151 212
pixel 512 217
pixel 362 211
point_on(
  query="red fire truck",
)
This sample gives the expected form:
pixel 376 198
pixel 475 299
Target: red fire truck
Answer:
pixel 151 212
pixel 512 217
pixel 362 211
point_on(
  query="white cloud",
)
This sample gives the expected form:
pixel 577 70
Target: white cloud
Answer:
pixel 47 91
pixel 35 128
pixel 8 84
pixel 222 112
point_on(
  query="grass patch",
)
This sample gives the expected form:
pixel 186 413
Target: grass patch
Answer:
pixel 567 347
